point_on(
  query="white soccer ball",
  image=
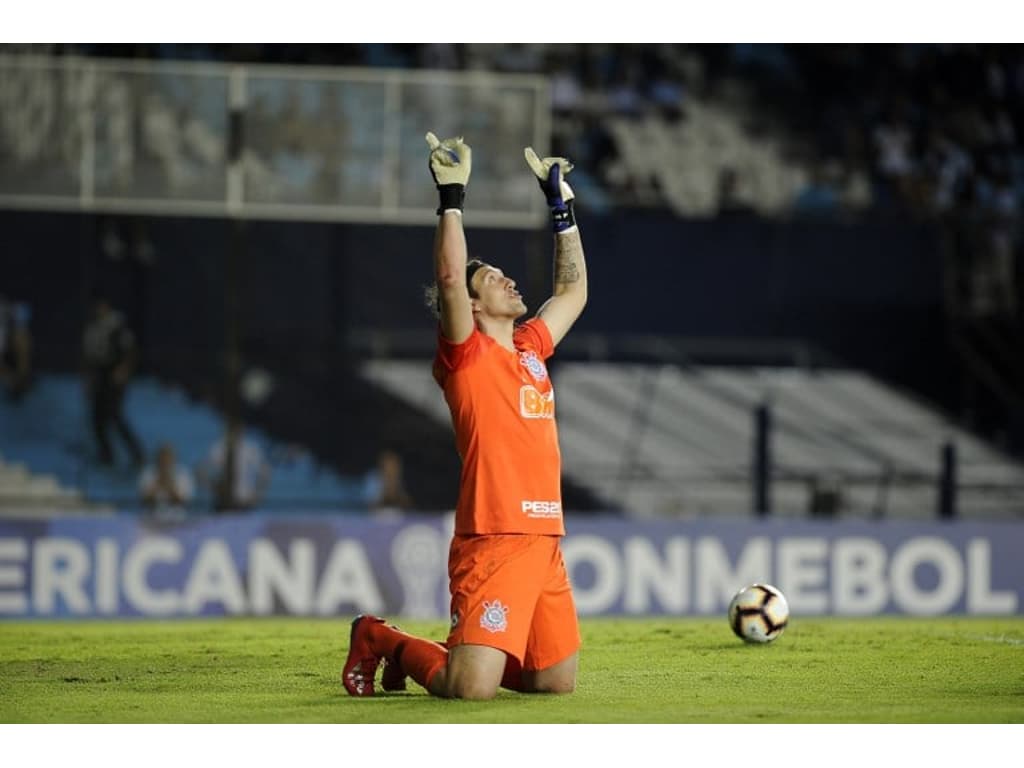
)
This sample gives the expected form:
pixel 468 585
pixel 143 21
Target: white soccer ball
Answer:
pixel 758 613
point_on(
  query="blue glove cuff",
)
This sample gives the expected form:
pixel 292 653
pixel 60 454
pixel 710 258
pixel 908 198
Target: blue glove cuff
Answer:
pixel 562 217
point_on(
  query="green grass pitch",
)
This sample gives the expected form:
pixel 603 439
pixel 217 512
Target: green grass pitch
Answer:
pixel 653 670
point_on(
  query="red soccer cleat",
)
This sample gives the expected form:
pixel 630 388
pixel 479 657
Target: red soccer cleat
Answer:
pixel 361 665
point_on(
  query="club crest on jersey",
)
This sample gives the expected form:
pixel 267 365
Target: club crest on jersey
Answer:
pixel 495 617
pixel 534 365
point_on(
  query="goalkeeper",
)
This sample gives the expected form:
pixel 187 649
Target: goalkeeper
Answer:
pixel 513 618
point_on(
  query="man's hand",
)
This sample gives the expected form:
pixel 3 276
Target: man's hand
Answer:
pixel 450 160
pixel 550 173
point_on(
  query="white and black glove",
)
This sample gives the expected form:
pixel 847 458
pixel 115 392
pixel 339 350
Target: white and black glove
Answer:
pixel 450 164
pixel 550 173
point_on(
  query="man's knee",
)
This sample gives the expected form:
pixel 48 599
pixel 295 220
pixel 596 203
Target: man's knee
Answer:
pixel 474 672
pixel 473 689
pixel 558 685
pixel 559 678
pixel 564 683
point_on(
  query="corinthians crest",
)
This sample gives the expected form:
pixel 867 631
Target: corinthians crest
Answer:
pixel 495 617
pixel 534 365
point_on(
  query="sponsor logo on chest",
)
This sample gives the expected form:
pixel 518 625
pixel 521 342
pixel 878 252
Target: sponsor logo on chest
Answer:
pixel 534 404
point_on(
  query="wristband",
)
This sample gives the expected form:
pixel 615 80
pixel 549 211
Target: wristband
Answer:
pixel 451 197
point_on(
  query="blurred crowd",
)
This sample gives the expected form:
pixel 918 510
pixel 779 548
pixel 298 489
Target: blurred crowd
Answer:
pixel 916 130
pixel 936 128
pixel 933 126
pixel 920 131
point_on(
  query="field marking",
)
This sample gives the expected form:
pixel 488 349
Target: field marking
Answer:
pixel 997 639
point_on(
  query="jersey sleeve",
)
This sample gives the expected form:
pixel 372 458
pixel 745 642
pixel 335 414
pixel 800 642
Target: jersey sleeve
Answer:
pixel 451 356
pixel 534 334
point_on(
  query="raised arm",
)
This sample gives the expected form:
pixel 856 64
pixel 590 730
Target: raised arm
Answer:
pixel 569 294
pixel 450 164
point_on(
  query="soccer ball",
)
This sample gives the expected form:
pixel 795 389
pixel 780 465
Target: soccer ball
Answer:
pixel 758 613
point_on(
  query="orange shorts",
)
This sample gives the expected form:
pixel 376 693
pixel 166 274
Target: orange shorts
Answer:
pixel 512 592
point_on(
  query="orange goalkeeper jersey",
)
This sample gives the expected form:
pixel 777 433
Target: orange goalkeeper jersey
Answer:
pixel 503 411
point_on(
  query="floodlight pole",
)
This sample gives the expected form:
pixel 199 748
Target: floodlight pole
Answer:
pixel 226 498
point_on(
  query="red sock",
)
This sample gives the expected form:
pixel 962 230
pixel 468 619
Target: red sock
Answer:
pixel 513 677
pixel 420 659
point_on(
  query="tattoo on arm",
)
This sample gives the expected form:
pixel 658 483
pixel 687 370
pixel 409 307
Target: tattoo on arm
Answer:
pixel 568 252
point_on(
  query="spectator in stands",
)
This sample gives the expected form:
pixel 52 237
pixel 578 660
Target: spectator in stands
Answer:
pixel 384 485
pixel 894 160
pixel 241 483
pixel 625 94
pixel 947 167
pixel 166 486
pixel 567 97
pixel 15 348
pixel 109 355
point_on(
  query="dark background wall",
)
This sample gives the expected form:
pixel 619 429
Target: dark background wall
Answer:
pixel 869 292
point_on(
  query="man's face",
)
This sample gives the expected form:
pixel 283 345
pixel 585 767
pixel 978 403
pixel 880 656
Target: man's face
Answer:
pixel 495 294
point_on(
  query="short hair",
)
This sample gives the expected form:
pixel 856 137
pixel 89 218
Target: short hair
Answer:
pixel 432 294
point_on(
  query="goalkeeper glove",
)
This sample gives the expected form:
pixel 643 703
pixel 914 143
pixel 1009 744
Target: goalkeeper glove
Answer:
pixel 550 173
pixel 450 163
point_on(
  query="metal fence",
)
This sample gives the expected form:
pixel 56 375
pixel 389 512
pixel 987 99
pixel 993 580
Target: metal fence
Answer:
pixel 345 144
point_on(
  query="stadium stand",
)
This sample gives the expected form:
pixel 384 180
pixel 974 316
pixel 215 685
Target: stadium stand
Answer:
pixel 681 163
pixel 24 493
pixel 47 439
pixel 661 440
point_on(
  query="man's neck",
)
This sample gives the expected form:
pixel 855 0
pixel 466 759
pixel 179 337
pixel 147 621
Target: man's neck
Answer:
pixel 499 329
